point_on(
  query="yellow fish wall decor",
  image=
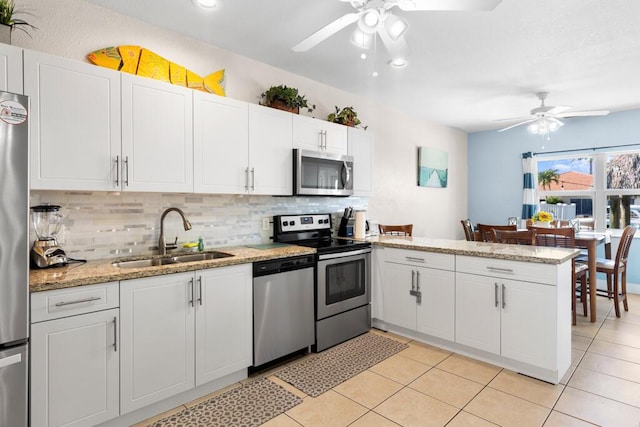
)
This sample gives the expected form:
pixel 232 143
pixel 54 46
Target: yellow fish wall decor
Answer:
pixel 142 62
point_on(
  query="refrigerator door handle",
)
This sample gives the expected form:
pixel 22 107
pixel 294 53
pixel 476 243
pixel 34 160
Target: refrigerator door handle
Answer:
pixel 11 360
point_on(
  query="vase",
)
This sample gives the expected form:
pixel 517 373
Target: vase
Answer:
pixel 542 224
pixel 5 34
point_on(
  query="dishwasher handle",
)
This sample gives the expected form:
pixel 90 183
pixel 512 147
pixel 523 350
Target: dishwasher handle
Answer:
pixel 265 268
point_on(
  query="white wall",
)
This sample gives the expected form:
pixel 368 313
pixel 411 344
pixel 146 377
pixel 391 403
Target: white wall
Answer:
pixel 73 28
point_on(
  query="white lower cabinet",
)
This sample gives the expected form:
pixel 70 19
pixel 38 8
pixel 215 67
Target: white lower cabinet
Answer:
pixel 182 330
pixel 224 328
pixel 74 359
pixel 157 334
pixel 511 313
pixel 417 297
pixel 507 317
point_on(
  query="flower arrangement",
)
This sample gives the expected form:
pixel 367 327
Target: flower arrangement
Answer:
pixel 8 12
pixel 542 216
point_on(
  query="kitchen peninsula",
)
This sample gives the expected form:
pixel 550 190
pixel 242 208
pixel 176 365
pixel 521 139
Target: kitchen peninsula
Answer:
pixel 508 305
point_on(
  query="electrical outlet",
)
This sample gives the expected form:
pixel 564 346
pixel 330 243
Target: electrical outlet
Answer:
pixel 265 224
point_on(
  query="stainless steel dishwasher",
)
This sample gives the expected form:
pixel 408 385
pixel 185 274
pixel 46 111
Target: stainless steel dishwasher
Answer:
pixel 283 318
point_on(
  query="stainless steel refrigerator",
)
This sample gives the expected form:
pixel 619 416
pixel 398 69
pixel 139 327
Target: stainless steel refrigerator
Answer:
pixel 14 260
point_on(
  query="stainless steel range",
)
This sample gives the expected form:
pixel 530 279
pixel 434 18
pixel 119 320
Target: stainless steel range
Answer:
pixel 342 279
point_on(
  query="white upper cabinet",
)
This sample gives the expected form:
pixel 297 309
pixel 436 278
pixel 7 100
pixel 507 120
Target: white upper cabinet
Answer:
pixel 270 151
pixel 74 123
pixel 361 148
pixel 221 144
pixel 157 135
pixel 11 68
pixel 319 135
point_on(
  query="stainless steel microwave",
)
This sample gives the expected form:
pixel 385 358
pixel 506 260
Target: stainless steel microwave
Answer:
pixel 316 173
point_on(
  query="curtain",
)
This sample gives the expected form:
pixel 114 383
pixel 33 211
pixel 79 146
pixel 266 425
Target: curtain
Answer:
pixel 529 185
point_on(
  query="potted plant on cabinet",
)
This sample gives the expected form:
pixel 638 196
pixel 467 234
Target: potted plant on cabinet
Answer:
pixel 8 21
pixel 346 116
pixel 285 98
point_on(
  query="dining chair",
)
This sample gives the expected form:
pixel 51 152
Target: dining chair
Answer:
pixel 616 270
pixel 486 230
pixel 468 229
pixel 396 230
pixel 518 237
pixel 587 223
pixel 565 237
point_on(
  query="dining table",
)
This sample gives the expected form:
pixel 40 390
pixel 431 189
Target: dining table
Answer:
pixel 590 240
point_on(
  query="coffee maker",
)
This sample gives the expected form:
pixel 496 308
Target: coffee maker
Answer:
pixel 47 222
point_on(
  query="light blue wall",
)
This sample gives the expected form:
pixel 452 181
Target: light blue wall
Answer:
pixel 495 168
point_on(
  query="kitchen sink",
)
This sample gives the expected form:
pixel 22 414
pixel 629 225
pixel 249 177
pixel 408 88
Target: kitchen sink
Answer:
pixel 177 259
pixel 140 263
pixel 200 257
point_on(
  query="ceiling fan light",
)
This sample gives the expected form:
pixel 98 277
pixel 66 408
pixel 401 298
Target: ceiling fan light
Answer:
pixel 361 39
pixel 395 26
pixel 398 62
pixel 206 4
pixel 533 128
pixel 369 21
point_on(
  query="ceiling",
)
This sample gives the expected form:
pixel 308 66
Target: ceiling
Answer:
pixel 466 69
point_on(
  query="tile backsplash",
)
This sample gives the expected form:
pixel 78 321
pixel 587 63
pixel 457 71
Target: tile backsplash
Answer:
pixel 100 225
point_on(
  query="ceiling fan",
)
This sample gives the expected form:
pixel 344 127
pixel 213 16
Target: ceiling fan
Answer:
pixel 374 17
pixel 545 118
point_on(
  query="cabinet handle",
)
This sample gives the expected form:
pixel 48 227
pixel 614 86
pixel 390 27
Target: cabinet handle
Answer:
pixel 495 293
pixel 117 171
pixel 413 278
pixel 246 179
pixel 200 289
pixel 320 140
pixel 191 285
pixel 253 179
pixel 504 301
pixel 115 333
pixel 418 281
pixel 79 301
pixel 504 270
pixel 324 133
pixel 410 258
pixel 126 167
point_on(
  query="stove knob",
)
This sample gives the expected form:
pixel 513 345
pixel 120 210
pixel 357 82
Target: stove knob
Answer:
pixel 292 223
pixel 285 223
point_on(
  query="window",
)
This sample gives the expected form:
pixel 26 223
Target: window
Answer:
pixel 605 186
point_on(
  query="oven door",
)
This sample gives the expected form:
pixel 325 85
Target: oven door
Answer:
pixel 344 282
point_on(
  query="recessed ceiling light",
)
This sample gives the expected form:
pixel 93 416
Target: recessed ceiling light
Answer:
pixel 398 63
pixel 206 4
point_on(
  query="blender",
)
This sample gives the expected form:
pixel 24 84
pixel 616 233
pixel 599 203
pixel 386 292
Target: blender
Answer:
pixel 47 222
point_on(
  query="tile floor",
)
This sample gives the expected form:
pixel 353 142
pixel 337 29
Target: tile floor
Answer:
pixel 426 386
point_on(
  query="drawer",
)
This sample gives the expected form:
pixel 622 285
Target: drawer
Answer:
pixel 515 270
pixel 59 303
pixel 420 258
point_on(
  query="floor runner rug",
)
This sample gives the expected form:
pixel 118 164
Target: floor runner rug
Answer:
pixel 322 371
pixel 252 404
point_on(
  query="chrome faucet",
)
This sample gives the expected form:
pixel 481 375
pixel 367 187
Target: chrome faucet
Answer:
pixel 162 245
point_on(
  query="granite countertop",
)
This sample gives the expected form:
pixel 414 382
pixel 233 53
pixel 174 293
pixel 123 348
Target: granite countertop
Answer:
pixel 101 271
pixel 539 254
